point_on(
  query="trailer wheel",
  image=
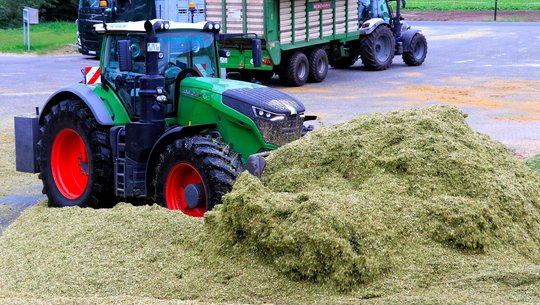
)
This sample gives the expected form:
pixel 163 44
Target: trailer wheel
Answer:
pixel 294 70
pixel 377 49
pixel 75 158
pixel 194 173
pixel 418 51
pixel 318 65
pixel 343 62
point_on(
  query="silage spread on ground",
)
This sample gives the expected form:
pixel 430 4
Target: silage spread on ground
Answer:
pixel 406 206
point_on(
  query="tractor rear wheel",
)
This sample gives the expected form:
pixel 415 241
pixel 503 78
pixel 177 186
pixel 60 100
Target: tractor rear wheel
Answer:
pixel 417 52
pixel 318 65
pixel 294 69
pixel 194 173
pixel 377 49
pixel 75 158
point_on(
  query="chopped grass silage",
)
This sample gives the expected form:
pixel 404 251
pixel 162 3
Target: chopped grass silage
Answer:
pixel 405 207
pixel 345 204
pixel 534 163
pixel 6 215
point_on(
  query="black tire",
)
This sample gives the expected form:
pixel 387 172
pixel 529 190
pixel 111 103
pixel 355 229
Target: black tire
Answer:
pixel 418 51
pixel 377 49
pixel 68 123
pixel 214 162
pixel 343 62
pixel 318 65
pixel 294 70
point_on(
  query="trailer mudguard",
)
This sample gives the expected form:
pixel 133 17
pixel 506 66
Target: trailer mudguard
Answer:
pixel 370 25
pixel 168 137
pixel 85 94
pixel 406 38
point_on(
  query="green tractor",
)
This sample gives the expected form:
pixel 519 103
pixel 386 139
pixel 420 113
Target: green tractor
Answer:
pixel 161 126
pixel 384 34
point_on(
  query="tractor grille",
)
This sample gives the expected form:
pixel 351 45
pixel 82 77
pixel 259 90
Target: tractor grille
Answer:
pixel 281 132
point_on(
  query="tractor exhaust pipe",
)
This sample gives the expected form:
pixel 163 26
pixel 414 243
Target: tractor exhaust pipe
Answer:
pixel 141 136
pixel 397 18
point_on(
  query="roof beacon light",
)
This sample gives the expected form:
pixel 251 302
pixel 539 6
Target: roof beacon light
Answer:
pixel 103 3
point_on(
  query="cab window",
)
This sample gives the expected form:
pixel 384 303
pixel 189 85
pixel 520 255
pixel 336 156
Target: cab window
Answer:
pixel 126 83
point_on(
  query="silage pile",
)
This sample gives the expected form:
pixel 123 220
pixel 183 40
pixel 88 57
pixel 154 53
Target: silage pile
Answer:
pixel 409 205
pixel 347 204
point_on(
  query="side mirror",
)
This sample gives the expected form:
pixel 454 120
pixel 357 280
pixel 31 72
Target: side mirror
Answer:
pixel 224 53
pixel 124 55
pixel 256 52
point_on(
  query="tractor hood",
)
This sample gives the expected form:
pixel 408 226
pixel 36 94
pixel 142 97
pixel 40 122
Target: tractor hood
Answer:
pixel 245 97
pixel 278 116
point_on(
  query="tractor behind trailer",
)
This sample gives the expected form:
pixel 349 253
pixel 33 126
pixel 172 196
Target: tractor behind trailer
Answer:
pixel 302 38
pixel 161 126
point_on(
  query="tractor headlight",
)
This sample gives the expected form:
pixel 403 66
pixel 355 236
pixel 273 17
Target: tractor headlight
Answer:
pixel 161 98
pixel 264 114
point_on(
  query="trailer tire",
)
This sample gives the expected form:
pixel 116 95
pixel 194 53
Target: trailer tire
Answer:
pixel 377 49
pixel 318 65
pixel 204 164
pixel 294 70
pixel 75 158
pixel 418 51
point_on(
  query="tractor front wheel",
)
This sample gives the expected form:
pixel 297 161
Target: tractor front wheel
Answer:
pixel 377 49
pixel 75 158
pixel 417 52
pixel 194 173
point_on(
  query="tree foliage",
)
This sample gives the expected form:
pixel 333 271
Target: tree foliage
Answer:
pixel 11 10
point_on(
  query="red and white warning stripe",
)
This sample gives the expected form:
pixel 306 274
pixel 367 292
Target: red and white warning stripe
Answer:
pixel 201 68
pixel 92 75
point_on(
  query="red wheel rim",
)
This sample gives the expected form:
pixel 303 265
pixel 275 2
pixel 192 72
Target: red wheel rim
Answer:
pixel 181 176
pixel 69 164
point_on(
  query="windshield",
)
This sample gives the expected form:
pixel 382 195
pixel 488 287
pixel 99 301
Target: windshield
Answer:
pixel 187 50
pixel 88 3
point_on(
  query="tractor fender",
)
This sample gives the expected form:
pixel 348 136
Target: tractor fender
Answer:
pixel 167 138
pixel 370 25
pixel 85 94
pixel 406 38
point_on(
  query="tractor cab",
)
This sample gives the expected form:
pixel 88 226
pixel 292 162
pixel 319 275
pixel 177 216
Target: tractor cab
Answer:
pixel 368 9
pixel 185 50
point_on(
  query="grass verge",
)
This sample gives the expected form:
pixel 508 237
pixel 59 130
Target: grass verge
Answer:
pixel 45 38
pixel 450 5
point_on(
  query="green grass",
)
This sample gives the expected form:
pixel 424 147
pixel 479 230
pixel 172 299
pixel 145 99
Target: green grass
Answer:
pixel 44 38
pixel 472 5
